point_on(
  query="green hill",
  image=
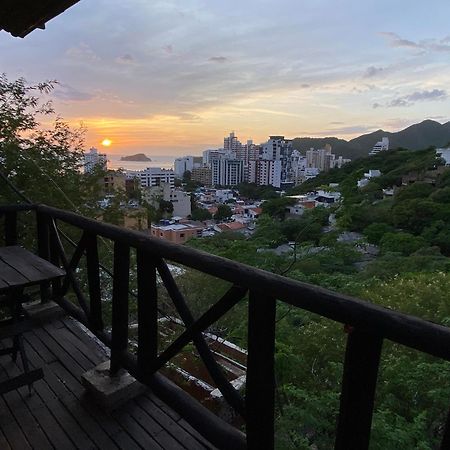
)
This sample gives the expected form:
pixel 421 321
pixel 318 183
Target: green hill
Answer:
pixel 415 137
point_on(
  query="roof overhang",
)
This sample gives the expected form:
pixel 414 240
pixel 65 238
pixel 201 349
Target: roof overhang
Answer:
pixel 21 17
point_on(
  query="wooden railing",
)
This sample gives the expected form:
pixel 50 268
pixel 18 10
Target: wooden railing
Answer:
pixel 369 325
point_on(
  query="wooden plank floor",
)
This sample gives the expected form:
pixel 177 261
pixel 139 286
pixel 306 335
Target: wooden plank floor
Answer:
pixel 58 414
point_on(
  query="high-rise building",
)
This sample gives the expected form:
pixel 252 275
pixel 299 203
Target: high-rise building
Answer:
pixel 202 175
pixel 277 148
pixel 321 159
pixel 210 155
pixel 181 165
pixel 265 172
pixel 227 172
pixel 94 159
pixel 232 145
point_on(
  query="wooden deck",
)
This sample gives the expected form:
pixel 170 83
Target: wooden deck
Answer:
pixel 58 414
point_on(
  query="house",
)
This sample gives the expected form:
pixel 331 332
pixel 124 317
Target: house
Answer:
pixel 180 199
pixel 176 232
pixel 231 226
pixel 372 173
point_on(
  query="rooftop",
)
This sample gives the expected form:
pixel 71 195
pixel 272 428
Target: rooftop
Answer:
pixel 21 17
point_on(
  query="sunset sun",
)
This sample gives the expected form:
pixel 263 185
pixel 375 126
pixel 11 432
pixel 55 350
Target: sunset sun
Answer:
pixel 106 142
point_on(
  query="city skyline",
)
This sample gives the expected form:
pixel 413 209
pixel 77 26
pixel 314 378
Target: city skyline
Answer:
pixel 165 78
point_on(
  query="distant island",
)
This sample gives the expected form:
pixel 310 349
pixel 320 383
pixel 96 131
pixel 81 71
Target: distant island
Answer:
pixel 136 157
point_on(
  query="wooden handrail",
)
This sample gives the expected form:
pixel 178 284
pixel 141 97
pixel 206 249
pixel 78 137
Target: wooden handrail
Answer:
pixel 371 324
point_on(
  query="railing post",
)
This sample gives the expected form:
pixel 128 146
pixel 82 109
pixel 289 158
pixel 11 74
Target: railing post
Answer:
pixel 42 222
pixel 147 310
pixel 362 358
pixel 54 256
pixel 445 444
pixel 93 272
pixel 119 324
pixel 260 383
pixel 11 228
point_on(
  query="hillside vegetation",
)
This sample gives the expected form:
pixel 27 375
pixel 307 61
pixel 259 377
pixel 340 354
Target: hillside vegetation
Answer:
pixel 410 274
pixel 415 137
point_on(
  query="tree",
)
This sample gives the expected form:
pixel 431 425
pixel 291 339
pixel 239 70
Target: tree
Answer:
pixel 276 207
pixel 187 176
pixel 413 191
pixel 44 164
pixel 404 243
pixel 201 214
pixel 255 192
pixel 441 195
pixel 165 207
pixel 414 215
pixel 223 212
pixel 375 231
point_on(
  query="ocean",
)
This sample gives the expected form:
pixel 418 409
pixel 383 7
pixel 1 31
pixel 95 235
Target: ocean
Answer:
pixel 163 161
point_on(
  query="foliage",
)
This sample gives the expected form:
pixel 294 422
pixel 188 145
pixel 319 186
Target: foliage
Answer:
pixel 201 214
pixel 223 212
pixel 404 243
pixel 35 159
pixel 255 192
pixel 425 260
pixel 276 207
pixel 414 191
pixel 375 231
pixel 165 207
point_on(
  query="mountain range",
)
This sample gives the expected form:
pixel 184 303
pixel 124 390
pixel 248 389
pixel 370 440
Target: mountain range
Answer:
pixel 415 137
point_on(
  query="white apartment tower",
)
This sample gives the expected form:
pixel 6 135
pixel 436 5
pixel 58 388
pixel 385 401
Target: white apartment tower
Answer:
pixel 227 172
pixel 380 146
pixel 265 173
pixel 92 159
pixel 153 176
pixel 231 145
pixel 183 164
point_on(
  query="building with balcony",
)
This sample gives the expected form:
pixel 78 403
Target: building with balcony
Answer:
pixel 153 176
pixel 227 172
pixel 380 146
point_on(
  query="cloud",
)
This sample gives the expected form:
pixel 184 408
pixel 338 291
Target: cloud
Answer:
pixel 82 52
pixel 68 93
pixel 125 59
pixel 418 96
pixel 394 40
pixel 435 94
pixel 218 59
pixel 372 71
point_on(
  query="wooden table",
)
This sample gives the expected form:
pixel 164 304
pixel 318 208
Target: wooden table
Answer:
pixel 19 269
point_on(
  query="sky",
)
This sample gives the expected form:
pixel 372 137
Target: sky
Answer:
pixel 175 77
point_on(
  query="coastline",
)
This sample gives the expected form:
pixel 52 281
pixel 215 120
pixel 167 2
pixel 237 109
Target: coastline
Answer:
pixel 162 161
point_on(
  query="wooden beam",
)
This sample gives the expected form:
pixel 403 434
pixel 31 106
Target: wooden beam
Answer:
pixel 147 310
pixel 119 326
pixel 362 358
pixel 260 383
